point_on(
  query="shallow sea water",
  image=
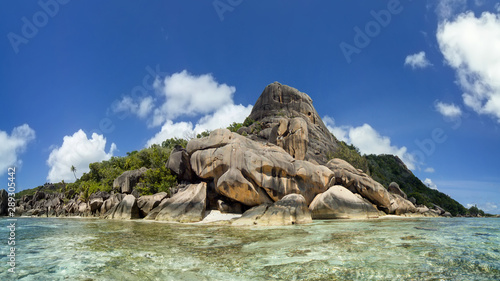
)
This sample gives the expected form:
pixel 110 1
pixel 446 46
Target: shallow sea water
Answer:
pixel 383 249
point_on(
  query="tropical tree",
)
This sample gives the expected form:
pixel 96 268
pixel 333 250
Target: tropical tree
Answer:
pixel 73 169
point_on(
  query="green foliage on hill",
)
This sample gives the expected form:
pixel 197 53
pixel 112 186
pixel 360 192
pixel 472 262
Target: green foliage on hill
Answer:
pixel 102 174
pixel 388 168
pixel 351 154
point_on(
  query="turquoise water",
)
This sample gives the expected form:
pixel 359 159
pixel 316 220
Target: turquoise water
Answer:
pixel 386 249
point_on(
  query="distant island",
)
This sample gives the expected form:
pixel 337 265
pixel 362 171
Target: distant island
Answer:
pixel 280 166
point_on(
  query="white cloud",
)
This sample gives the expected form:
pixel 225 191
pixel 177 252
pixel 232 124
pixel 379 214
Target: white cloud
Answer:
pixel 417 60
pixel 141 107
pixel 13 145
pixel 222 118
pixel 487 207
pixel 369 141
pixel 448 110
pixel 446 9
pixel 191 95
pixel 79 151
pixel 471 46
pixel 429 170
pixel 430 184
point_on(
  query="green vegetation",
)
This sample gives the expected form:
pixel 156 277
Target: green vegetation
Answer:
pixel 388 168
pixel 203 134
pixel 247 123
pixel 351 154
pixel 102 174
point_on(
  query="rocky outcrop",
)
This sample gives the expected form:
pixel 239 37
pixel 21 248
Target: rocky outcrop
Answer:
pixel 291 209
pixel 281 102
pixel 187 205
pixel 254 173
pixel 179 164
pixel 292 136
pixel 358 182
pixel 126 182
pixel 340 203
pixel 400 206
pixel 4 200
pixel 111 202
pixel 147 203
pixel 394 189
pixel 125 210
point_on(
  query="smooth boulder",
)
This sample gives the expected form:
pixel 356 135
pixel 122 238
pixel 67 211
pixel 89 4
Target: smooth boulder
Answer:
pixel 187 205
pixel 400 206
pixel 125 210
pixel 340 203
pixel 291 209
pixel 394 189
pixel 147 203
pixel 253 173
pixel 126 182
pixel 179 164
pixel 358 182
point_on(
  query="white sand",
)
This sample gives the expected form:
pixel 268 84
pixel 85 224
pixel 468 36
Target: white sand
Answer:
pixel 215 215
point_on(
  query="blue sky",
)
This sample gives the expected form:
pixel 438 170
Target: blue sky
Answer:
pixel 82 81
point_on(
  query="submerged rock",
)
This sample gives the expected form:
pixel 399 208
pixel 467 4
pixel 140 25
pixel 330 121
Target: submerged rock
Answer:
pixel 340 203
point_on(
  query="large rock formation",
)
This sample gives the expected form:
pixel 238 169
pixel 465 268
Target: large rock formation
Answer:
pixel 125 210
pixel 254 173
pixel 358 182
pixel 126 182
pixel 187 205
pixel 179 164
pixel 275 110
pixel 340 203
pixel 394 189
pixel 291 209
pixel 147 203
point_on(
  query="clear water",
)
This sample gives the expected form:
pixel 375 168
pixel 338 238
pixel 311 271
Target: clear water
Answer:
pixel 399 249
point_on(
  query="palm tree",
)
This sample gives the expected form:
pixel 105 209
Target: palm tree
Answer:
pixel 73 169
